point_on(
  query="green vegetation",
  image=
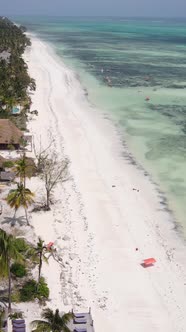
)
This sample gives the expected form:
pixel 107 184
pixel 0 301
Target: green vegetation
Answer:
pixel 8 252
pixel 15 315
pixel 21 245
pixel 42 290
pixel 12 37
pixel 21 170
pixel 16 258
pixel 14 78
pixel 20 197
pixel 39 255
pixel 52 321
pixel 1 317
pixel 30 291
pixel 8 164
pixel 18 270
pixel 25 168
pixel 15 295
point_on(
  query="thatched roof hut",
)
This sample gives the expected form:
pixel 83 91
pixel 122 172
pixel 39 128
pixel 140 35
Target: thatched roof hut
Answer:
pixel 9 134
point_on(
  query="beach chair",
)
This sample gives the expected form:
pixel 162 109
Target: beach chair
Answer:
pixel 79 315
pixel 82 329
pixel 18 326
pixel 18 321
pixel 80 321
pixel 19 329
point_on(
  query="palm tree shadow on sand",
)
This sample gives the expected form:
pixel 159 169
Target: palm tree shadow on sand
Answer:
pixel 21 221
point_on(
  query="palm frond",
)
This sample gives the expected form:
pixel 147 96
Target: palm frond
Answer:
pixel 55 321
pixel 48 314
pixel 66 329
pixel 67 317
pixel 20 197
pixel 45 259
pixel 40 326
pixel 8 251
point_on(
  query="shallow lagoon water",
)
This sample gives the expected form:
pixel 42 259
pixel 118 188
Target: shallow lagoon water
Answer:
pixel 142 59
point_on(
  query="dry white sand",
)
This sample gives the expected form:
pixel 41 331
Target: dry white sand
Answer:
pixel 99 220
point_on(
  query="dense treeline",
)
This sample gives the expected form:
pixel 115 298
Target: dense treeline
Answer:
pixel 14 78
pixel 12 37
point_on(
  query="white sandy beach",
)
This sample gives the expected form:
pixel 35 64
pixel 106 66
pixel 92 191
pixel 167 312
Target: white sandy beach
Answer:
pixel 98 220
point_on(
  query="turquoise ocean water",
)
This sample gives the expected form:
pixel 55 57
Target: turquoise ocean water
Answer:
pixel 136 71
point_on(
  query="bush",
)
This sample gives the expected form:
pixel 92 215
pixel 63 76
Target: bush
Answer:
pixel 15 295
pixel 29 291
pixel 2 316
pixel 21 245
pixel 43 290
pixel 8 164
pixel 18 270
pixel 16 315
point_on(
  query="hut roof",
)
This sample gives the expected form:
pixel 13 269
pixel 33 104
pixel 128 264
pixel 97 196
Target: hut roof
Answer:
pixel 9 133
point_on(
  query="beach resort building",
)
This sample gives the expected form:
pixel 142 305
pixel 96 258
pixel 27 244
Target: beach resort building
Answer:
pixel 10 135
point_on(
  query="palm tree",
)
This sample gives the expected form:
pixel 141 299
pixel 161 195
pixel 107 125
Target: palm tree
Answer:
pixel 21 169
pixel 52 322
pixel 2 314
pixel 39 254
pixel 8 252
pixel 20 197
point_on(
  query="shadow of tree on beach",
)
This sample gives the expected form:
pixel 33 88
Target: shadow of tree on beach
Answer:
pixel 21 221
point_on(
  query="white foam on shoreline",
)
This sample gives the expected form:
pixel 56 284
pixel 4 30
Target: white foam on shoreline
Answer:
pixel 103 216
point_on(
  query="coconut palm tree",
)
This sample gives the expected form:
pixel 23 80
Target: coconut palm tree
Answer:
pixel 38 254
pixel 52 321
pixel 20 197
pixel 24 168
pixel 21 169
pixel 8 252
pixel 2 317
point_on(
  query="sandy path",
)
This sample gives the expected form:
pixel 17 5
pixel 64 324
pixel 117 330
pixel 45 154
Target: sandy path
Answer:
pixel 103 218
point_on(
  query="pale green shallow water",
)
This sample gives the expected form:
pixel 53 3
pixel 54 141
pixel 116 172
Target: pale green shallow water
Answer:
pixel 142 58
